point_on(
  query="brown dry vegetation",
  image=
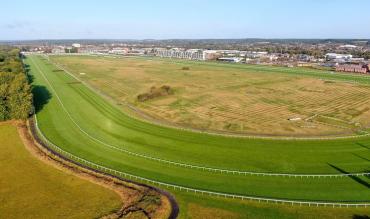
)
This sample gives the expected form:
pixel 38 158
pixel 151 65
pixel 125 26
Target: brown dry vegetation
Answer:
pixel 230 99
pixel 155 92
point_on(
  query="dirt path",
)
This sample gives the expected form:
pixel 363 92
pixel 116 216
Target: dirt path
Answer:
pixel 139 200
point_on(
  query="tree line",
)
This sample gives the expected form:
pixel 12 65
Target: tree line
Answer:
pixel 15 90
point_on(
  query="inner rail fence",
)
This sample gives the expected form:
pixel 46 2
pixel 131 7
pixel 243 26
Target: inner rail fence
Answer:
pixel 204 168
pixel 88 164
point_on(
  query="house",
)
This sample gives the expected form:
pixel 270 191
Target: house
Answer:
pixel 357 68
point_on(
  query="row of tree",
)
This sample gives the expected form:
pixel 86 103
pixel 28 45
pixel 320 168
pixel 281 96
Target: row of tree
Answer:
pixel 15 90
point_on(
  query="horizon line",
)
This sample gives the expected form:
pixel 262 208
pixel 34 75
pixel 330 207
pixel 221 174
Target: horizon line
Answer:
pixel 163 39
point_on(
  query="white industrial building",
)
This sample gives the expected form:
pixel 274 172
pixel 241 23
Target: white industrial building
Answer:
pixel 335 56
pixel 230 59
pixel 76 45
pixel 348 46
pixel 119 51
pixel 58 50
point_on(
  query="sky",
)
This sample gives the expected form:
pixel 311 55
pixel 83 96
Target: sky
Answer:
pixel 183 19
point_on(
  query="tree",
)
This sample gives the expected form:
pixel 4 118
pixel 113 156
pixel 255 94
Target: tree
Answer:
pixel 20 98
pixel 15 91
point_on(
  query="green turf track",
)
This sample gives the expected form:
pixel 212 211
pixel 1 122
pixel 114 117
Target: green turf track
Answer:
pixel 98 118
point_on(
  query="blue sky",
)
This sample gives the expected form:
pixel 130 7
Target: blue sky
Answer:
pixel 167 19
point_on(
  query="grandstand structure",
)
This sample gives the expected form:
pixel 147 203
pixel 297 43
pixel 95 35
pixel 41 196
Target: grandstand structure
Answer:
pixel 192 54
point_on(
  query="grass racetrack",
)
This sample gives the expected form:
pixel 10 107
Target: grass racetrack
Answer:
pixel 198 206
pixel 81 122
pixel 230 98
pixel 31 189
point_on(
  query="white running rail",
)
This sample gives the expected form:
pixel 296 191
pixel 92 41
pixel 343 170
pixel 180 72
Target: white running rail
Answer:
pixel 208 132
pixel 187 189
pixel 185 165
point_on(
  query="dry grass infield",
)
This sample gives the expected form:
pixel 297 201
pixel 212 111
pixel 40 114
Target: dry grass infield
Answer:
pixel 228 99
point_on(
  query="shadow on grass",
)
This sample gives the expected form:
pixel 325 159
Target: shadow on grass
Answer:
pixel 41 97
pixel 27 70
pixel 362 145
pixel 355 178
pixel 356 216
pixel 361 157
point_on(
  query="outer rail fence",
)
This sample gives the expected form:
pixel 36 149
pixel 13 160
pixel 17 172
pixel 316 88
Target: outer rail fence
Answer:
pixel 55 151
pixel 90 165
pixel 191 166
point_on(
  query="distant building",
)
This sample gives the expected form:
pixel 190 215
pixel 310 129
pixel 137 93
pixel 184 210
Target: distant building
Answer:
pixel 193 54
pixel 357 68
pixel 68 49
pixel 304 58
pixel 332 56
pixel 73 49
pixel 211 55
pixel 230 59
pixel 119 51
pixel 254 55
pixel 58 50
pixel 348 46
pixel 357 60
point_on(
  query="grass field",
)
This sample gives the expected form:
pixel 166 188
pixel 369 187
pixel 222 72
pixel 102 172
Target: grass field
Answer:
pixel 201 207
pixel 31 189
pixel 88 126
pixel 257 100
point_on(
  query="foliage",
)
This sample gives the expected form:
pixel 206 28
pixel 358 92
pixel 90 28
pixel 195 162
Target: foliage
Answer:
pixel 155 92
pixel 362 54
pixel 71 50
pixel 15 91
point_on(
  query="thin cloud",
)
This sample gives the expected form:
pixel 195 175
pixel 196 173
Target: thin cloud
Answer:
pixel 16 25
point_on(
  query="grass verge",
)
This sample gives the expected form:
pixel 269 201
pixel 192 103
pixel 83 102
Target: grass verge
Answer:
pixel 29 187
